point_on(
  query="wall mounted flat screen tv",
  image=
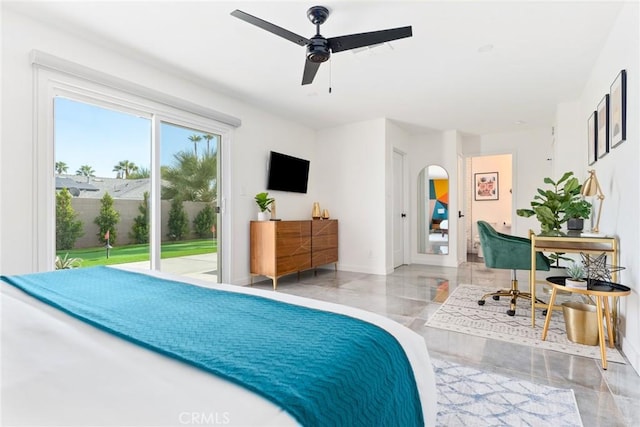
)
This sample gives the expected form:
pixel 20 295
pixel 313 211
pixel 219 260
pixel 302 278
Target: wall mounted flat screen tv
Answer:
pixel 287 173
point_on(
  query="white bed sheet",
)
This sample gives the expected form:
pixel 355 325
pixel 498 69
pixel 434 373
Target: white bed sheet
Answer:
pixel 57 370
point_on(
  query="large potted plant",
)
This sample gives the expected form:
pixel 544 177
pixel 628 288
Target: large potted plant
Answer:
pixel 554 206
pixel 264 204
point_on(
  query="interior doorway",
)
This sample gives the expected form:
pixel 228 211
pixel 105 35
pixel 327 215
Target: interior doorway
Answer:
pixel 489 190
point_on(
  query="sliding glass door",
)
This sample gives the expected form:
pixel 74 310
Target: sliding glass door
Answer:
pixel 189 197
pixel 133 189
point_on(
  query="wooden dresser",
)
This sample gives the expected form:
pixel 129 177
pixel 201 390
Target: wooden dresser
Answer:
pixel 279 248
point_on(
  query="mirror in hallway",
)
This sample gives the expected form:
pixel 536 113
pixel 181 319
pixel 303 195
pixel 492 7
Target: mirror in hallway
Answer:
pixel 433 210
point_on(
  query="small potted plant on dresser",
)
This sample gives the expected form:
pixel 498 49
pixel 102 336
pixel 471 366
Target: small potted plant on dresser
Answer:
pixel 264 202
pixel 576 277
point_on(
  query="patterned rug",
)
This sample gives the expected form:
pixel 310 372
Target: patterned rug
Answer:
pixel 470 397
pixel 461 313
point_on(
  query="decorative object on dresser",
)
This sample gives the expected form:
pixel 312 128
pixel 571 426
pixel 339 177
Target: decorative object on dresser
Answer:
pixel 315 212
pixel 325 214
pixel 264 202
pixel 279 248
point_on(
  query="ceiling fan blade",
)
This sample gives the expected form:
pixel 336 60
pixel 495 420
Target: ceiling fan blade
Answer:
pixel 310 70
pixel 278 31
pixel 352 41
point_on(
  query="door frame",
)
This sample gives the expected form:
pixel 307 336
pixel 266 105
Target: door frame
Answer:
pixel 403 176
pixel 469 191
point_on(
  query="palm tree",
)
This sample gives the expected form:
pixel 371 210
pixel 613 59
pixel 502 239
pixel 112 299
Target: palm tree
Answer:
pixel 208 137
pixel 195 139
pixel 86 170
pixel 191 178
pixel 125 168
pixel 61 167
pixel 140 173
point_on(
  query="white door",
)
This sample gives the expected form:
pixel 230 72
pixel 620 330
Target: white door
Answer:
pixel 462 229
pixel 398 209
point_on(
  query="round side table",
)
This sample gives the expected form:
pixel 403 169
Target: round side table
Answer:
pixel 601 291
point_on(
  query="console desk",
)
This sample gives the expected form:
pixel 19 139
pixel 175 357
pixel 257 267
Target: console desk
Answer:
pixel 569 244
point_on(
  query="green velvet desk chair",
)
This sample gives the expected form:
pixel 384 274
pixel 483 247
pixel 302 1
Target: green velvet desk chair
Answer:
pixel 508 252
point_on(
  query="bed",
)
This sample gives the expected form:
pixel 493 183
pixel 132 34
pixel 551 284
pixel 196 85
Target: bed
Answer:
pixel 59 370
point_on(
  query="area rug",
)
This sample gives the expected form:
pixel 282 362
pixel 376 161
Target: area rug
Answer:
pixel 470 397
pixel 461 313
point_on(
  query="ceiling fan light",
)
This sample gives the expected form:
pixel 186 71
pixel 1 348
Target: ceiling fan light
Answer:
pixel 317 50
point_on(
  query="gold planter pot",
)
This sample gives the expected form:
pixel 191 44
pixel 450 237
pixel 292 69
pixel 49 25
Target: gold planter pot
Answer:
pixel 581 321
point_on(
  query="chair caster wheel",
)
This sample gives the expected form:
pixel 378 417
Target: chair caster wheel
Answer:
pixel 511 313
pixel 480 302
pixel 544 313
pixel 496 297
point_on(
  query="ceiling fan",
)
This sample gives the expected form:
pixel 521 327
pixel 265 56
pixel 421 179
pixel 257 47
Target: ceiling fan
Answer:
pixel 319 48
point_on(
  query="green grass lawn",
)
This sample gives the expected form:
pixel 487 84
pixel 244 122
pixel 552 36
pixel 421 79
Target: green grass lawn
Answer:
pixel 133 253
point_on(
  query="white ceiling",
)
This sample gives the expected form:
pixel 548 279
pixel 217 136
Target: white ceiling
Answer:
pixel 542 54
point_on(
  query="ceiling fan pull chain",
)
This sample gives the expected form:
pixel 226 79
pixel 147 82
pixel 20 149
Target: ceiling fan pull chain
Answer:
pixel 330 74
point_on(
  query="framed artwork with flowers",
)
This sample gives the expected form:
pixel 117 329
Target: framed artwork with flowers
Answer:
pixel 486 186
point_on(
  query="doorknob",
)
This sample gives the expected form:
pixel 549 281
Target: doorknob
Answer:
pixel 403 215
pixel 460 214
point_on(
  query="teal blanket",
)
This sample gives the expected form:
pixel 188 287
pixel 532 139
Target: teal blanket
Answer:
pixel 322 368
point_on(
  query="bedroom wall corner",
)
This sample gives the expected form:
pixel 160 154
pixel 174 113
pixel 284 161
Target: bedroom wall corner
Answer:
pixel 352 164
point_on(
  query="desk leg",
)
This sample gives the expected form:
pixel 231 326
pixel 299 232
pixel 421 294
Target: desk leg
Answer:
pixel 547 319
pixel 532 284
pixel 603 351
pixel 607 316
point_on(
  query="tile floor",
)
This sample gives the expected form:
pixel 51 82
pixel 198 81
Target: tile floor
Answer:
pixel 412 293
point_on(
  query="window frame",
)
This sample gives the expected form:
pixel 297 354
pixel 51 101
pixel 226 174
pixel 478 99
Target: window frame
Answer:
pixel 54 77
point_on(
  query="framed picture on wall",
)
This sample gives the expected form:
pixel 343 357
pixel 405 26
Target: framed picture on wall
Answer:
pixel 602 138
pixel 618 109
pixel 592 135
pixel 486 186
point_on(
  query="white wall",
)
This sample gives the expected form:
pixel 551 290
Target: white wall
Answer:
pixel 619 171
pixel 259 133
pixel 569 146
pixel 353 187
pixel 532 153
